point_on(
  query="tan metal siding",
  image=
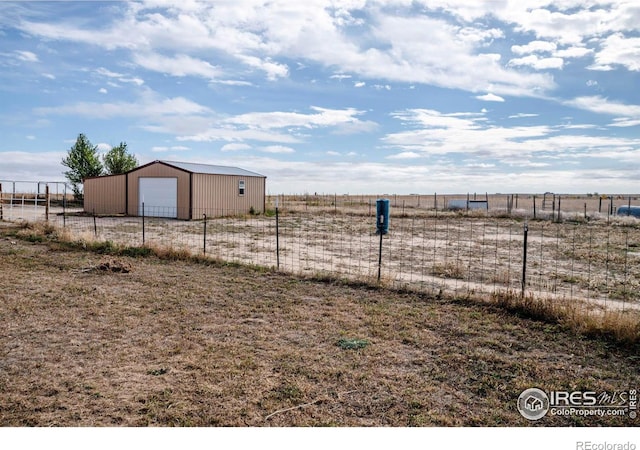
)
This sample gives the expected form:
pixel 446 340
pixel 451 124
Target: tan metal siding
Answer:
pixel 217 195
pixel 105 195
pixel 160 170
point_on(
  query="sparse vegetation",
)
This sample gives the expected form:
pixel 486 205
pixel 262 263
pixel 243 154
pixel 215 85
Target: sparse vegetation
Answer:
pixel 177 342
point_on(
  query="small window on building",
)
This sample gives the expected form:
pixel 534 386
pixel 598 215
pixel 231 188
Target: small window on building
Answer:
pixel 241 187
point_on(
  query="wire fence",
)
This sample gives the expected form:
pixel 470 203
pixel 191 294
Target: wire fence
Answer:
pixel 445 253
pixel 559 255
pixel 548 206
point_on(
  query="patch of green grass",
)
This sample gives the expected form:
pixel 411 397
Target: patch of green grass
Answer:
pixel 136 252
pixel 352 344
pixel 287 391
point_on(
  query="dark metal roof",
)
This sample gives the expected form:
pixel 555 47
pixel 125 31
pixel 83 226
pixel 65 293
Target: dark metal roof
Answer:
pixel 211 169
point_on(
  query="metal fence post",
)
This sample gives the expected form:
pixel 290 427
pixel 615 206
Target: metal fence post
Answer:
pixel 611 205
pixel 64 207
pixel 1 211
pixel 277 237
pixel 46 203
pixel 142 223
pixel 559 206
pixel 524 258
pixel 204 241
pixel 600 205
pixel 380 257
pixel 95 226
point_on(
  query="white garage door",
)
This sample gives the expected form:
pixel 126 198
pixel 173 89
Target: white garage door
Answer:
pixel 159 195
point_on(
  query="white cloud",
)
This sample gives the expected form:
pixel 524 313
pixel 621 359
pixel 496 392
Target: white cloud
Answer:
pixel 398 46
pixel 235 147
pixel 182 40
pixel 405 155
pixel 480 166
pixel 537 63
pixel 490 98
pixel 103 147
pixel 233 134
pixel 19 165
pixel 602 105
pixel 561 25
pixel 618 50
pixel 31 137
pixel 430 133
pixel 272 69
pixel 175 148
pixel 600 67
pixel 333 153
pixel 103 91
pixel 26 56
pixel 573 52
pixel 527 163
pixel 231 82
pixel 178 65
pixel 625 122
pixel 579 126
pixel 276 149
pixel 107 73
pixel 522 115
pixel 118 77
pixel 49 76
pixel 359 84
pixel 321 117
pixel 149 105
pixel 534 47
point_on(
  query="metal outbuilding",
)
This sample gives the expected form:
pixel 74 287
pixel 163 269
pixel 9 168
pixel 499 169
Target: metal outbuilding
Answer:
pixel 177 190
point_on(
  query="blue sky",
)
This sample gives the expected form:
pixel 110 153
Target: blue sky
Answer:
pixel 446 96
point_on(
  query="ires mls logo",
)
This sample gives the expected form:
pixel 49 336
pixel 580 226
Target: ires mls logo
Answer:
pixel 533 403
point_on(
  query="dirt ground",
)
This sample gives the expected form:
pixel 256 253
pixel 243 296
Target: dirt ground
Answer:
pixel 90 340
pixel 453 253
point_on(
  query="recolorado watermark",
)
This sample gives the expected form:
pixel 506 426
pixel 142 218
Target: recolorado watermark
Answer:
pixel 588 445
pixel 534 404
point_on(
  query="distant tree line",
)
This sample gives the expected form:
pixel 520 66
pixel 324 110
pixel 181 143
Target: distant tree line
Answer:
pixel 83 161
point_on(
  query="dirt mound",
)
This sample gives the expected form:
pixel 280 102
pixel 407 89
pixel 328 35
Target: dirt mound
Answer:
pixel 114 266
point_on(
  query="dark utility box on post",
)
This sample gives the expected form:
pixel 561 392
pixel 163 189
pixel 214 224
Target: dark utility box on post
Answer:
pixel 382 216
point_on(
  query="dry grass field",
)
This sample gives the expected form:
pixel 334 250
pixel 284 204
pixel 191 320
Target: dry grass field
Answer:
pixel 457 253
pixel 100 340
